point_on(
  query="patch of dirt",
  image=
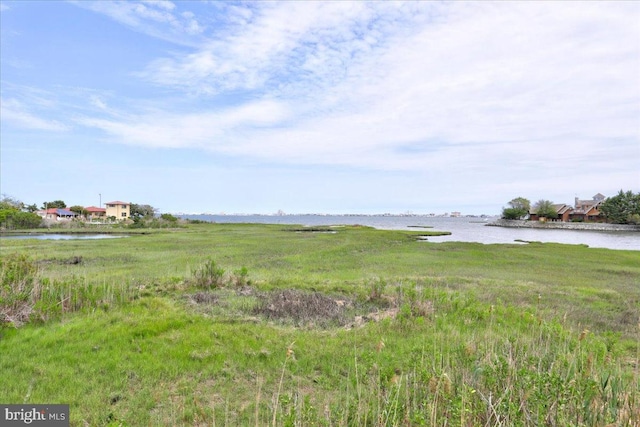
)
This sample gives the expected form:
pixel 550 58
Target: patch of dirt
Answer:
pixel 303 308
pixel 312 230
pixel 74 260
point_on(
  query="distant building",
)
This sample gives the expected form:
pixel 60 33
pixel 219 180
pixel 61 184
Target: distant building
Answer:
pixel 588 210
pixel 563 211
pixel 582 210
pixel 94 213
pixel 57 214
pixel 119 210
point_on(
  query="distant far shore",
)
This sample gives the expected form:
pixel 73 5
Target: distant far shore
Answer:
pixel 559 225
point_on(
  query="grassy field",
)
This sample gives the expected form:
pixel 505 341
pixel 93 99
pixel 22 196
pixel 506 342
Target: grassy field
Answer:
pixel 245 324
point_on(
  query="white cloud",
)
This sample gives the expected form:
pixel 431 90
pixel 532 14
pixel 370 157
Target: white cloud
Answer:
pixel 156 18
pixel 293 41
pixel 160 4
pixel 15 113
pixel 96 101
pixel 404 85
pixel 208 130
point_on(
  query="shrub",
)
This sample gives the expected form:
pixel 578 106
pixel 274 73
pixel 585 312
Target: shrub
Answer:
pixel 209 275
pixel 168 217
pixel 15 219
pixel 197 221
pixel 240 277
pixel 376 289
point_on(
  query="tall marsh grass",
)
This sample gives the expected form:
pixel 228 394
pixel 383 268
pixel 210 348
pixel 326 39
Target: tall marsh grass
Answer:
pixel 26 296
pixel 481 366
pixel 20 289
pixel 462 362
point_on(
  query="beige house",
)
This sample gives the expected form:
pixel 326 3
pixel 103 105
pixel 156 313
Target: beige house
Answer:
pixel 119 210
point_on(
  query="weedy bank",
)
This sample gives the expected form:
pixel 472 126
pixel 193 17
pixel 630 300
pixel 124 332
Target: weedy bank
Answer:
pixel 242 324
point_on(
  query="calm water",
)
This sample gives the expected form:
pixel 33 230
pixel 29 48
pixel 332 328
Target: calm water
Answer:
pixel 61 236
pixel 462 229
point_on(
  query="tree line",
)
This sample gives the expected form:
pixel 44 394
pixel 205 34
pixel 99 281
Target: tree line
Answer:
pixel 15 214
pixel 623 208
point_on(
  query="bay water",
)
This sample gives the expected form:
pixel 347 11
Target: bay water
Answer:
pixel 463 229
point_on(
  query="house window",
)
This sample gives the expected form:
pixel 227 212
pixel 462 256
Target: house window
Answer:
pixel 124 214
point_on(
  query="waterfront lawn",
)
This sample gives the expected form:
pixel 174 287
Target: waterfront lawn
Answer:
pixel 389 330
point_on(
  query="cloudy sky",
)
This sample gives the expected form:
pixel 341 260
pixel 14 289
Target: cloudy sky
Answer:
pixel 334 107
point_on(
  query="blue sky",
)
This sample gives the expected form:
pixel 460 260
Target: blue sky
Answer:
pixel 309 107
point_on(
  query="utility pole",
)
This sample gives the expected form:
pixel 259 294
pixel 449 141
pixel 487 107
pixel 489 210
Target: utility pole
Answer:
pixel 100 205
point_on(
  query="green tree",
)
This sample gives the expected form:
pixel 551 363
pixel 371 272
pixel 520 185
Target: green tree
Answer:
pixel 80 210
pixel 623 208
pixel 12 216
pixel 142 215
pixel 8 202
pixel 518 208
pixel 169 218
pixel 142 211
pixel 23 220
pixel 545 209
pixel 58 204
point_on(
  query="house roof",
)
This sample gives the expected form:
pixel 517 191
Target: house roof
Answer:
pixel 562 208
pixel 60 212
pixel 118 203
pixel 95 209
pixel 585 206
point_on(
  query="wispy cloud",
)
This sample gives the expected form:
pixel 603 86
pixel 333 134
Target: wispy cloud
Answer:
pixel 208 130
pixel 275 46
pixel 157 18
pixel 15 113
pixel 398 85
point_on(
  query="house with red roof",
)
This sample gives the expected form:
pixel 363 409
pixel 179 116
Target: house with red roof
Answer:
pixel 95 213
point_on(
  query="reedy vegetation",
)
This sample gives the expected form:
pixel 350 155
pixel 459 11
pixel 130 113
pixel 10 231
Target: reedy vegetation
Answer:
pixel 152 331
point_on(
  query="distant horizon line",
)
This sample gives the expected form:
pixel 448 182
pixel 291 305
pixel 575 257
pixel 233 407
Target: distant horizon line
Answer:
pixel 453 214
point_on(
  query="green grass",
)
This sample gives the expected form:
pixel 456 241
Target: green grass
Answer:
pixel 457 333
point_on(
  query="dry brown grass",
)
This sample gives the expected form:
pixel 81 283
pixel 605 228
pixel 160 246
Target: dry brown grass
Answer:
pixel 303 308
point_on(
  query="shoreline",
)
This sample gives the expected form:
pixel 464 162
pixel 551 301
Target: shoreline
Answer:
pixel 559 225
